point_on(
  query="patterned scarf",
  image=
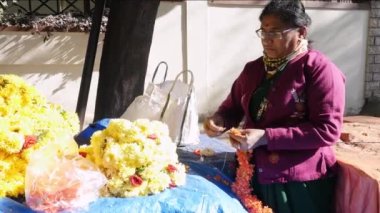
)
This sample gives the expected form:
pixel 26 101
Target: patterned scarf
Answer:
pixel 273 68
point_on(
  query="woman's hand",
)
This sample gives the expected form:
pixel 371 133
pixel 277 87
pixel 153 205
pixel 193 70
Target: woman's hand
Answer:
pixel 248 139
pixel 213 126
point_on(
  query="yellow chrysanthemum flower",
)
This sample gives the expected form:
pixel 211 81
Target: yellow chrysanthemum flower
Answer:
pixel 27 123
pixel 138 158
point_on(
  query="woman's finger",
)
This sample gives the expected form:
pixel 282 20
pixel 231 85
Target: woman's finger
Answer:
pixel 215 127
pixel 209 130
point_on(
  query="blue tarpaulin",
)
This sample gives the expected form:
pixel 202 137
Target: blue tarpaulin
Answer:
pixel 207 187
pixel 197 195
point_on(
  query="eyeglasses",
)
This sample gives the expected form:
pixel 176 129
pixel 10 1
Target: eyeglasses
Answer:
pixel 272 35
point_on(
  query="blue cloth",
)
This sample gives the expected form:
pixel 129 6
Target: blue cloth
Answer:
pixel 223 160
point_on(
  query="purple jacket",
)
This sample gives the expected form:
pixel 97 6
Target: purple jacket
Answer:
pixel 302 121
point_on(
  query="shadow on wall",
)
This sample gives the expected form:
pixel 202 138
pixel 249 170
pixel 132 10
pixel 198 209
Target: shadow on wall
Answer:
pixel 59 83
pixel 371 108
pixel 54 67
pixel 166 7
pixel 58 59
pixel 58 48
pixel 54 64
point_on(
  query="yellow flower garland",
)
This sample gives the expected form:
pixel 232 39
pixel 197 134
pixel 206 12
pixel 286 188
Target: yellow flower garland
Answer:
pixel 138 158
pixel 25 112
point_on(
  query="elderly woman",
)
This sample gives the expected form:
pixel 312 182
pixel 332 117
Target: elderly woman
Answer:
pixel 292 101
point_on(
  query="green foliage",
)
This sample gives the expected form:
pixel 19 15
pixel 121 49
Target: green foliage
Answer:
pixel 3 5
pixel 66 22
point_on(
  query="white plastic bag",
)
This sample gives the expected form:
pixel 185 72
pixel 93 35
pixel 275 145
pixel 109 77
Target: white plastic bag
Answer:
pixel 171 102
pixel 61 182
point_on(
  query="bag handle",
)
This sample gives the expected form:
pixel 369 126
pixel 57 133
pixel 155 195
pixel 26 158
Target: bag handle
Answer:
pixel 157 67
pixel 171 89
pixel 183 74
pixel 186 102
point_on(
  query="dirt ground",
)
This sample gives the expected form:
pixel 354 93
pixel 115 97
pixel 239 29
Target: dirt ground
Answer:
pixel 360 144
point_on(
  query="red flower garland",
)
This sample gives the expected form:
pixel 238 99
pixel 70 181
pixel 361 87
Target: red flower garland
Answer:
pixel 242 188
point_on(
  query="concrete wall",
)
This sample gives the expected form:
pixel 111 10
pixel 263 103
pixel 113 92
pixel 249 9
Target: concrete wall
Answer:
pixel 214 42
pixel 54 67
pixel 221 39
pixel 372 92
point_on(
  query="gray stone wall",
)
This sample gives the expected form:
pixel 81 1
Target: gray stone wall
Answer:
pixel 372 77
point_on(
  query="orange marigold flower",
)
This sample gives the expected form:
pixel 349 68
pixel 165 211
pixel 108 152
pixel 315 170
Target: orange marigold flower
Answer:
pixel 241 186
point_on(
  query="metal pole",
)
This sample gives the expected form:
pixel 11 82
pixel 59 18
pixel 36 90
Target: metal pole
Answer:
pixel 86 7
pixel 89 60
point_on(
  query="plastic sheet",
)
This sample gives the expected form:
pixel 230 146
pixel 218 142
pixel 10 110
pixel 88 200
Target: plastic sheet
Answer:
pixel 197 195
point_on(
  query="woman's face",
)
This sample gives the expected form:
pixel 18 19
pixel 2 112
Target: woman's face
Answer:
pixel 275 46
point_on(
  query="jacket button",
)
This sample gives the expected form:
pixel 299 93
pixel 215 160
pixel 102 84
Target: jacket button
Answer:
pixel 273 157
pixel 260 170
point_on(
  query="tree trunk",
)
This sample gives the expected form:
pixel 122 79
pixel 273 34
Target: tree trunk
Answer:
pixel 125 55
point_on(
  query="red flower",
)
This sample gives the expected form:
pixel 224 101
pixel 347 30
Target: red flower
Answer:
pixel 135 180
pixel 197 152
pixel 171 168
pixel 152 136
pixel 29 140
pixel 83 154
pixel 172 184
